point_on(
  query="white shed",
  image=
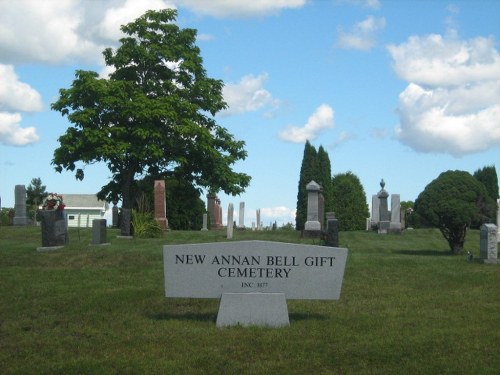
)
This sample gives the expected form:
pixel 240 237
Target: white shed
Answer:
pixel 81 209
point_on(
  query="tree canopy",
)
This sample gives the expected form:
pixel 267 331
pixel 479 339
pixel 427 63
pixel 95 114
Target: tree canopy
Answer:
pixel 488 176
pixel 454 202
pixel 349 201
pixel 152 116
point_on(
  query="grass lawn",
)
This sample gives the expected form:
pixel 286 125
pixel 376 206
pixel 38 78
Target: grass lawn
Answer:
pixel 406 307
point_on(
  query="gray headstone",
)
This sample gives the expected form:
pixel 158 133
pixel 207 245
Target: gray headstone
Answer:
pixel 54 228
pixel 395 225
pixel 205 221
pixel 259 224
pixel 126 221
pixel 230 222
pixel 375 210
pixel 332 230
pixel 498 220
pixel 115 215
pixel 20 214
pixel 488 250
pixel 99 232
pixel 312 224
pixel 241 223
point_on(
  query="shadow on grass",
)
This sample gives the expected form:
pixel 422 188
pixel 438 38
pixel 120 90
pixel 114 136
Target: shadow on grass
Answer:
pixel 201 317
pixel 428 253
pixel 306 316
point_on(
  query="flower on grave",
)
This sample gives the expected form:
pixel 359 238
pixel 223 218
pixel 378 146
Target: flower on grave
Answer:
pixel 53 201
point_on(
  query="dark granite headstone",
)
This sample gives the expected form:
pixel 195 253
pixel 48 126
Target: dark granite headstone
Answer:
pixel 98 231
pixel 332 230
pixel 54 228
pixel 126 221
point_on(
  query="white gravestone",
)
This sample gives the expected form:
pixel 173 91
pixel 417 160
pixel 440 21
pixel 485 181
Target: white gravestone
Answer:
pixel 395 225
pixel 312 223
pixel 230 222
pixel 488 248
pixel 498 220
pixel 247 267
pixel 241 223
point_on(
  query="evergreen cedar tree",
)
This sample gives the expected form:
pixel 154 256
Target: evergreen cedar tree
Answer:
pixel 349 202
pixel 343 194
pixel 454 202
pixel 488 176
pixel 153 116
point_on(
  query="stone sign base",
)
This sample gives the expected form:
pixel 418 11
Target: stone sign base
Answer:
pixel 246 309
pixel 48 248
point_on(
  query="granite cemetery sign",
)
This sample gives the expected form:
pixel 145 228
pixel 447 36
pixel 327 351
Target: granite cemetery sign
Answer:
pixel 253 278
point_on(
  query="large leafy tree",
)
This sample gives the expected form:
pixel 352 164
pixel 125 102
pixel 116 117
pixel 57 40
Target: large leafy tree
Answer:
pixel 152 116
pixel 349 201
pixel 454 202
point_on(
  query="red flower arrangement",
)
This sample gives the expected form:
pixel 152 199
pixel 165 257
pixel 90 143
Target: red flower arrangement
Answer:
pixel 53 201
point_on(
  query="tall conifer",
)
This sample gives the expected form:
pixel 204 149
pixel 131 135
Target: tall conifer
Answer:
pixel 308 172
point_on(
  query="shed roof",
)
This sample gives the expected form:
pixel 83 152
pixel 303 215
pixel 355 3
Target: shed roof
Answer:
pixel 83 201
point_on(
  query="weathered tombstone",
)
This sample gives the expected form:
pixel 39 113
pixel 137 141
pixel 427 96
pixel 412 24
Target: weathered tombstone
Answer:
pixel 217 220
pixel 20 216
pixel 99 232
pixel 241 223
pixel 498 220
pixel 259 224
pixel 488 250
pixel 160 204
pixel 211 208
pixel 384 222
pixel 205 222
pixel 230 214
pixel 312 227
pixel 395 225
pixel 115 216
pixel 375 211
pixel 54 229
pixel 332 230
pixel 252 278
pixel 125 222
pixel 321 209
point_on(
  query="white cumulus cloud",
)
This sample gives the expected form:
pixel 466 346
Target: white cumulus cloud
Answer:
pixel 281 214
pixel 321 119
pixel 11 132
pixel 452 102
pixel 247 95
pixel 50 31
pixel 363 34
pixel 16 95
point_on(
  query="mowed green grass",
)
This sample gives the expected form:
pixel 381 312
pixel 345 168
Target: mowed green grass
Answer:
pixel 406 307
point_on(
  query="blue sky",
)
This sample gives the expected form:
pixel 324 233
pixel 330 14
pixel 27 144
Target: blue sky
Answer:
pixel 399 90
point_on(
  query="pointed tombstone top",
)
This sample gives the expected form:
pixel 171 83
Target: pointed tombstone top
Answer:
pixel 313 186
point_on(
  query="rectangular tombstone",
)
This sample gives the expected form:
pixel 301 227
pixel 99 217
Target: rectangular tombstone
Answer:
pixel 98 231
pixel 375 210
pixel 488 249
pixel 241 222
pixel 20 217
pixel 296 270
pixel 395 225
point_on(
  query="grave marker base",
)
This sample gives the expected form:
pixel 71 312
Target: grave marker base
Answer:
pixel 247 309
